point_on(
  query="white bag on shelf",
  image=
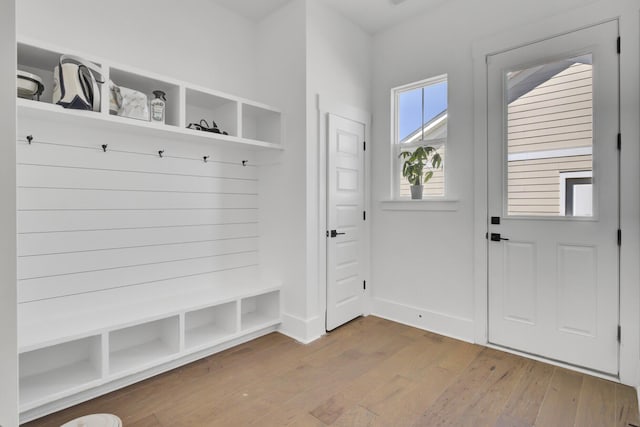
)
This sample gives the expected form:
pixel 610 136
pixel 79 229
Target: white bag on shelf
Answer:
pixel 76 83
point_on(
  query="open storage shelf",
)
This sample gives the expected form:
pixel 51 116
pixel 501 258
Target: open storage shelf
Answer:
pixel 201 105
pixel 261 123
pixel 260 310
pixel 209 325
pixel 114 354
pixel 147 85
pixel 246 122
pixel 59 369
pixel 139 346
pixel 41 62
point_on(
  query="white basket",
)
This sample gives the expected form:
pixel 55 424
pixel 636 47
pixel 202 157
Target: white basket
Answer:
pixel 29 85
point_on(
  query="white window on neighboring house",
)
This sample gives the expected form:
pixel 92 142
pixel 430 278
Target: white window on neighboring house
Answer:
pixel 576 193
pixel 420 119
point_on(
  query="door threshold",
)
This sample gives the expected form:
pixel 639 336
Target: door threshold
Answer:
pixel 576 368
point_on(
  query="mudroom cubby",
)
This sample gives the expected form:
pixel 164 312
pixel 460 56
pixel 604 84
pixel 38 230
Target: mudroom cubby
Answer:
pixel 261 123
pixel 259 310
pixel 146 85
pixel 138 244
pixel 210 325
pixel 41 61
pixel 206 106
pixel 53 372
pixel 140 346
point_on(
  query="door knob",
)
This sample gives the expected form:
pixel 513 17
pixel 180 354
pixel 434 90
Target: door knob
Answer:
pixel 334 233
pixel 495 237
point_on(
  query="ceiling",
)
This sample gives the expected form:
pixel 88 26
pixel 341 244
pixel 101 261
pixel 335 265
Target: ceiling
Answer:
pixel 371 15
pixel 376 15
pixel 252 9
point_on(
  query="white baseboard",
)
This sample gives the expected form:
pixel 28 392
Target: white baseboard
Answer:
pixel 304 331
pixel 439 323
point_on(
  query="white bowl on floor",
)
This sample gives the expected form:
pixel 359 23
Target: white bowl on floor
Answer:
pixel 95 420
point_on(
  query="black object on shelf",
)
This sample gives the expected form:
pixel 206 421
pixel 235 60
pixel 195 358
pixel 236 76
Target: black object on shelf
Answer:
pixel 204 126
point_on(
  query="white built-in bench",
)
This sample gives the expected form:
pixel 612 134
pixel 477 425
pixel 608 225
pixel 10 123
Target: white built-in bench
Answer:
pixel 138 244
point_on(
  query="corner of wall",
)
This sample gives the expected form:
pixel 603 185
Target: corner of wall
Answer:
pixel 8 300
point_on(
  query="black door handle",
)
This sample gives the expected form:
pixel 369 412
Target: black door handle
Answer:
pixel 334 233
pixel 495 237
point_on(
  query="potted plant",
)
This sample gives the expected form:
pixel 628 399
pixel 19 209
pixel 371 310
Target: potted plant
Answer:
pixel 419 166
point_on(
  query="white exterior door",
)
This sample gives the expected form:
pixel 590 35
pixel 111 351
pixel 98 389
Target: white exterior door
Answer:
pixel 554 200
pixel 345 222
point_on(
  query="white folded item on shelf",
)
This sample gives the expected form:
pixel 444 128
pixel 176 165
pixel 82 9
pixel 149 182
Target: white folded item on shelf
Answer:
pixel 127 102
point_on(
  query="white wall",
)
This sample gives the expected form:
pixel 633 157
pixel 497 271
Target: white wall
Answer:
pixel 305 50
pixel 193 40
pixel 338 82
pixel 8 328
pixel 423 260
pixel 282 81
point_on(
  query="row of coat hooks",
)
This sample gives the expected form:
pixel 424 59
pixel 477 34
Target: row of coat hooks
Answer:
pixel 160 152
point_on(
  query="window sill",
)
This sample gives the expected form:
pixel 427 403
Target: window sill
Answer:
pixel 421 205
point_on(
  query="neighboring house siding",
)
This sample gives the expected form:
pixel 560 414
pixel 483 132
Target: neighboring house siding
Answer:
pixel 555 115
pixel 534 185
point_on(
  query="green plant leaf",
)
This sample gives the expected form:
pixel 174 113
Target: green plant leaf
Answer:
pixel 427 176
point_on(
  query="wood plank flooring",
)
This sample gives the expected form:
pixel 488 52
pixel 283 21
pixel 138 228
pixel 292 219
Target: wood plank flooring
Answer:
pixel 370 372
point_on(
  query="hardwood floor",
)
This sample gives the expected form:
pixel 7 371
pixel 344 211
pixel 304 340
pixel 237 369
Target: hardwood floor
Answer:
pixel 370 372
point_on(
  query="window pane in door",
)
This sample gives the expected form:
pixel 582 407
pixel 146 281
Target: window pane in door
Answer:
pixel 549 134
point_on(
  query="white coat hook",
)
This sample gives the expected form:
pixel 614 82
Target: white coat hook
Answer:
pixel 160 153
pixel 104 147
pixel 29 139
pixel 205 158
pixel 244 162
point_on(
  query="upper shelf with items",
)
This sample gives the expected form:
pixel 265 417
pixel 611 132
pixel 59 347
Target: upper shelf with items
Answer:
pixel 190 112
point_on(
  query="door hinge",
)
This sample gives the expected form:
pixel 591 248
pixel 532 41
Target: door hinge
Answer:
pixel 364 215
pixel 619 333
pixel 619 237
pixel 364 145
pixel 619 141
pixel 364 285
pixel 618 45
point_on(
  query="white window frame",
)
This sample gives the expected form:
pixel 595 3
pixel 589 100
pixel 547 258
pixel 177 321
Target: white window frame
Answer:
pixel 563 188
pixel 396 147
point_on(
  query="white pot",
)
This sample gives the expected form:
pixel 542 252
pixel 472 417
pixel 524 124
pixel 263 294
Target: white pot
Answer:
pixel 416 192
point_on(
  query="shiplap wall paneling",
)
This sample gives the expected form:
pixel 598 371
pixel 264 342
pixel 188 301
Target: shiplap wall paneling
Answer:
pixel 94 220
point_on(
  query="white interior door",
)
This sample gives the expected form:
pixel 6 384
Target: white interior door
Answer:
pixel 345 222
pixel 554 200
